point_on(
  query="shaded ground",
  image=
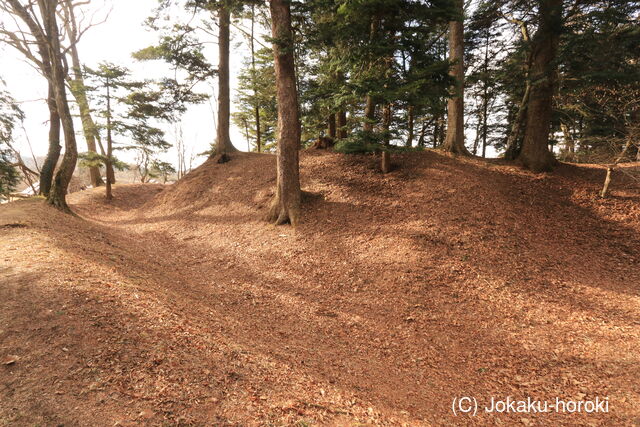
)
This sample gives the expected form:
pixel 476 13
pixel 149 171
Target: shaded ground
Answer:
pixel 397 293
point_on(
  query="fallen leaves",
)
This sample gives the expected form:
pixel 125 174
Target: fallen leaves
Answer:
pixel 10 360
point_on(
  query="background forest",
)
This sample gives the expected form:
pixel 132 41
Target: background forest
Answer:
pixel 541 81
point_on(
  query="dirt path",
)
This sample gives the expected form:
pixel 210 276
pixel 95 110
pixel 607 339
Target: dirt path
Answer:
pixel 395 295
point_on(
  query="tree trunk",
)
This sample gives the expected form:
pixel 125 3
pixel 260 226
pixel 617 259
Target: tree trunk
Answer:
pixel 109 162
pixel 332 126
pixel 111 176
pixel 411 126
pixel 253 82
pixel 57 195
pixel 50 163
pixel 569 143
pixel 485 99
pixel 286 204
pixel 454 141
pixel 485 124
pixel 513 145
pixel 341 121
pixel 423 131
pixel 223 141
pixel 79 91
pixel 385 162
pixel 369 114
pixel 535 153
pixel 386 123
pixel 370 102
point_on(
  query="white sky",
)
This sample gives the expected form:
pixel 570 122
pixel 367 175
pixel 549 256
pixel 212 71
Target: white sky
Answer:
pixel 114 41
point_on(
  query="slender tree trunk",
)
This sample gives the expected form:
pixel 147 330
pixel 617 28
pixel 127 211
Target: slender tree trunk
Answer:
pixel 411 126
pixel 223 141
pixel 369 113
pixel 109 162
pixel 111 176
pixel 88 127
pixel 513 145
pixel 454 141
pixel 437 130
pixel 341 122
pixel 370 101
pixel 62 178
pixel 386 122
pixel 255 88
pixel 79 91
pixel 485 124
pixel 286 204
pixel 569 143
pixel 485 99
pixel 332 126
pixel 478 136
pixel 51 161
pixel 423 131
pixel 611 168
pixel 535 153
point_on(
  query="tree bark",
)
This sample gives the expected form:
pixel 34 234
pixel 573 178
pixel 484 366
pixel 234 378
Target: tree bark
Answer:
pixel 332 126
pixel 79 91
pixel 411 126
pixel 286 204
pixel 423 131
pixel 370 101
pixel 51 161
pixel 62 178
pixel 109 162
pixel 255 89
pixel 223 140
pixel 569 144
pixel 341 122
pixel 369 113
pixel 454 141
pixel 386 123
pixel 535 153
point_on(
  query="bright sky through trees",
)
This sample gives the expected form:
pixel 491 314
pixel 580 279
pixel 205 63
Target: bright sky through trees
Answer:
pixel 114 40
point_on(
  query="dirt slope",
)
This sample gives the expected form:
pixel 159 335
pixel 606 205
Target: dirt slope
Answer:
pixel 397 293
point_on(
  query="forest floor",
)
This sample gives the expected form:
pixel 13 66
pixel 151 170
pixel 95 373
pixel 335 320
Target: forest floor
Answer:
pixel 397 293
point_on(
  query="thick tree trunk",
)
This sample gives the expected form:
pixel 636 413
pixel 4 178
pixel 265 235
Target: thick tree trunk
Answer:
pixel 286 204
pixel 341 122
pixel 535 153
pixel 223 140
pixel 62 178
pixel 454 141
pixel 332 126
pixel 51 161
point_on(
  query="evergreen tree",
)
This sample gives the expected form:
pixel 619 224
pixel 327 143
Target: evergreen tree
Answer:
pixel 127 109
pixel 9 115
pixel 257 93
